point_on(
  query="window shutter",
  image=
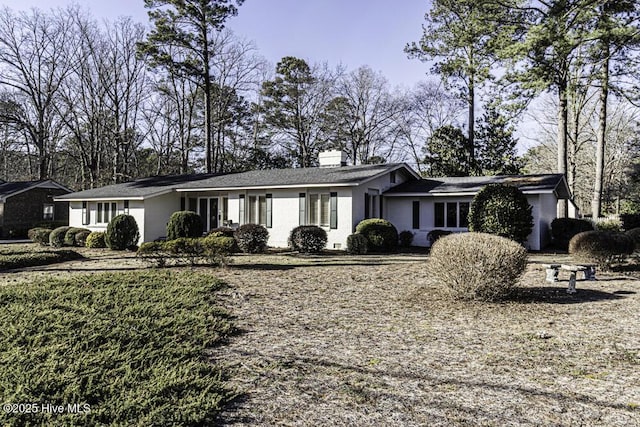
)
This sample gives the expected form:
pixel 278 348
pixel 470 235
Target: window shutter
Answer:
pixel 302 209
pixel 241 213
pixel 269 210
pixel 183 204
pixel 333 217
pixel 416 215
pixel 126 207
pixel 85 213
pixel 366 206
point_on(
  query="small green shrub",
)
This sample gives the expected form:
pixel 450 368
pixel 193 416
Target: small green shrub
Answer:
pixel 434 235
pixel 610 225
pixel 252 238
pixel 211 248
pixel 405 238
pixel 634 234
pixel 476 266
pixel 601 248
pixel 308 239
pixel 31 259
pixel 563 230
pixel 70 235
pixel 56 238
pixel 39 235
pixel 357 244
pixel 381 235
pixel 221 232
pixel 184 224
pixel 502 210
pixel 96 240
pixel 81 238
pixel 122 233
pixel 630 221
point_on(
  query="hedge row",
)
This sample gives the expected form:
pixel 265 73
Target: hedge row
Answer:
pixel 184 250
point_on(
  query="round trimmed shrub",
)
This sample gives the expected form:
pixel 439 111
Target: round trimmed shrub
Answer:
pixel 405 238
pixel 184 224
pixel 95 240
pixel 357 244
pixel 502 210
pixel 381 235
pixel 601 247
pixel 56 238
pixel 634 234
pixel 252 238
pixel 309 239
pixel 476 266
pixel 221 232
pixel 122 233
pixel 563 230
pixel 70 235
pixel 81 238
pixel 39 235
pixel 434 235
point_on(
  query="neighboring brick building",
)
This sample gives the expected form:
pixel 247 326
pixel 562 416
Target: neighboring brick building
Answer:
pixel 26 204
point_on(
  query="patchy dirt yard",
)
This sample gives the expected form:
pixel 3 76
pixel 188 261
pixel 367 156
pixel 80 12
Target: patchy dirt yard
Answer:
pixel 341 340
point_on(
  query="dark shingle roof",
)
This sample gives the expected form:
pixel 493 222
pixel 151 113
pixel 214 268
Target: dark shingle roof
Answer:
pixel 272 178
pixel 139 188
pixel 471 185
pixel 345 175
pixel 8 189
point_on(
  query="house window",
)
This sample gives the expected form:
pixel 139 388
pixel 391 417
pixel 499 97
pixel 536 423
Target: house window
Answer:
pixel 47 212
pixel 451 214
pixel 241 211
pixel 106 212
pixel 260 211
pixel 126 207
pixel 320 209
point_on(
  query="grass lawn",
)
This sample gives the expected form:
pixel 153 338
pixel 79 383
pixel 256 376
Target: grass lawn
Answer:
pixel 129 347
pixel 330 340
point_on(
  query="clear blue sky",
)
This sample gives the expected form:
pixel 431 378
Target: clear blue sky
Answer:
pixel 351 32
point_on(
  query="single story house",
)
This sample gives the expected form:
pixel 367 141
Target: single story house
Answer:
pixel 333 196
pixel 26 204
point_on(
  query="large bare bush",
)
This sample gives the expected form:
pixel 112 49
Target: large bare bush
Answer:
pixel 476 266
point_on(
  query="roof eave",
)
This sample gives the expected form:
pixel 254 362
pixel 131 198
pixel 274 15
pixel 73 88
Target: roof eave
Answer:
pixel 266 187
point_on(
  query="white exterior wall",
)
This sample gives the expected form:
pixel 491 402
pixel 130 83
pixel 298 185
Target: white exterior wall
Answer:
pixel 136 209
pixel 157 211
pixel 399 211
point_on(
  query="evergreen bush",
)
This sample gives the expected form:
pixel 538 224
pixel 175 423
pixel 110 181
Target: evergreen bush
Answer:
pixel 252 238
pixel 563 230
pixel 70 235
pixel 405 238
pixel 184 224
pixel 81 238
pixel 502 210
pixel 434 235
pixel 96 240
pixel 381 235
pixel 122 233
pixel 601 247
pixel 610 225
pixel 357 244
pixel 634 234
pixel 39 235
pixel 308 239
pixel 476 266
pixel 630 221
pixel 56 238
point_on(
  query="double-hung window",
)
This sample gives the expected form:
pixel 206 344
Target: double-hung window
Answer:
pixel 451 214
pixel 105 212
pixel 259 209
pixel 322 209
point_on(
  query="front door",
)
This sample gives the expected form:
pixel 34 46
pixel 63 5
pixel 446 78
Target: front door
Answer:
pixel 208 210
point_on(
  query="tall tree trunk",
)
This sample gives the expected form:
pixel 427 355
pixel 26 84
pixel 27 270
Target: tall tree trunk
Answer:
pixel 472 123
pixel 563 207
pixel 207 97
pixel 596 203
